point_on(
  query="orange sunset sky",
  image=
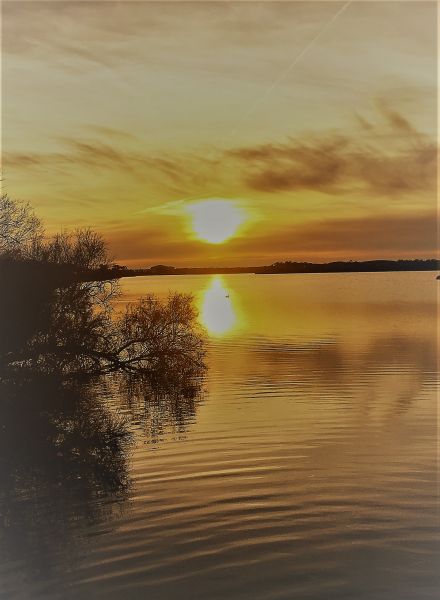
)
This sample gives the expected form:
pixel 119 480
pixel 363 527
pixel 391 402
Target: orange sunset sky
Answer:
pixel 305 130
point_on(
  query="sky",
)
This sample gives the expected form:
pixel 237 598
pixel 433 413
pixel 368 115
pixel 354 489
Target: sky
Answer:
pixel 313 124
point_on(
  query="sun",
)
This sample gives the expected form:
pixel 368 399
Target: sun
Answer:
pixel 216 220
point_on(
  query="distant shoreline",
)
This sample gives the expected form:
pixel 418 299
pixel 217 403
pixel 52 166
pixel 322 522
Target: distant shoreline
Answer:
pixel 288 267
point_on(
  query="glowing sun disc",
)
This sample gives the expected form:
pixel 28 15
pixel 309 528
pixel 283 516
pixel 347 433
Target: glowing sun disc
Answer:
pixel 216 220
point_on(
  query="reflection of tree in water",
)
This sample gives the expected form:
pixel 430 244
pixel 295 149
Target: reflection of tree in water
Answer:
pixel 63 451
pixel 64 459
pixel 161 411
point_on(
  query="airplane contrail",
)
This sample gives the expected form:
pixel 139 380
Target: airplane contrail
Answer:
pixel 292 65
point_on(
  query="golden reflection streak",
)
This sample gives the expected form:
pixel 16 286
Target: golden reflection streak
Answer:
pixel 216 309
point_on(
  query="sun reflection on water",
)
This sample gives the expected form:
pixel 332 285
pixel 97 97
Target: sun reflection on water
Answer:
pixel 217 311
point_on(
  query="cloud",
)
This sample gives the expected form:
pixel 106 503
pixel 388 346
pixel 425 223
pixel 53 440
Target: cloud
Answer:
pixel 145 246
pixel 111 132
pixel 402 162
pixel 386 159
pixel 383 236
pixel 122 158
pixel 105 24
pixel 315 165
pixel 95 154
pixel 389 236
pixel 396 121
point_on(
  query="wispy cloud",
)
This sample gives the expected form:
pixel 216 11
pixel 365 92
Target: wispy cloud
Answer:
pixel 386 159
pixel 397 121
pixel 97 155
pixel 401 163
pixel 386 236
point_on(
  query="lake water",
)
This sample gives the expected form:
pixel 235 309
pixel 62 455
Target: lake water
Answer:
pixel 307 469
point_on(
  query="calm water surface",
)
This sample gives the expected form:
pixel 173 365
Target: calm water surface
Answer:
pixel 308 468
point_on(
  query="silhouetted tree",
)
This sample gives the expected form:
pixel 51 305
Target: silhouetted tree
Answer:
pixel 63 450
pixel 83 249
pixel 55 326
pixel 20 229
pixel 77 333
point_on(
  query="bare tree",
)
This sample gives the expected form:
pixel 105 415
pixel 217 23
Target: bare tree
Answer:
pixel 52 322
pixel 20 229
pixel 21 236
pixel 84 249
pixel 161 338
pixel 78 333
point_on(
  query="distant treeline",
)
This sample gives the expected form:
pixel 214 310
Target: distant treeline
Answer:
pixel 167 270
pixel 352 266
pixel 291 267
